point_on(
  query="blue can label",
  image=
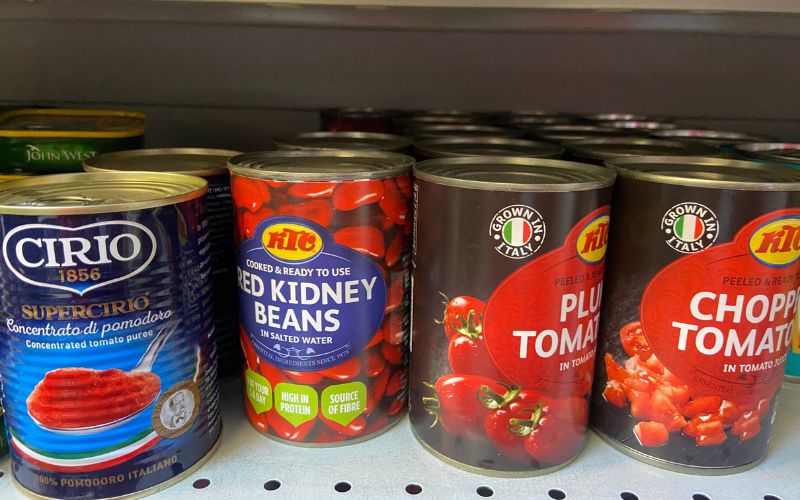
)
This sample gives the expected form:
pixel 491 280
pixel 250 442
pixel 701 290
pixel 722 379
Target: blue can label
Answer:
pixel 106 351
pixel 307 302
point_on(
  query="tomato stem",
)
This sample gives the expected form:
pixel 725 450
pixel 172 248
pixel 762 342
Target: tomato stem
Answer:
pixel 432 405
pixel 522 427
pixel 444 314
pixel 473 327
pixel 492 400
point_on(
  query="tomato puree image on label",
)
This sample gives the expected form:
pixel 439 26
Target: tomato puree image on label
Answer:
pixel 508 290
pixel 75 398
pixel 695 333
pixel 323 242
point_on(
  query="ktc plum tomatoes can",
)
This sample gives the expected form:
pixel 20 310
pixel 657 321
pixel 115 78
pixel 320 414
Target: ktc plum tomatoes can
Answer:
pixel 508 277
pixel 700 303
pixel 106 352
pixel 211 165
pixel 320 141
pixel 323 269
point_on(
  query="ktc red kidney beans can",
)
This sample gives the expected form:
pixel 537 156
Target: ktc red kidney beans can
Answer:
pixel 508 278
pixel 700 301
pixel 323 267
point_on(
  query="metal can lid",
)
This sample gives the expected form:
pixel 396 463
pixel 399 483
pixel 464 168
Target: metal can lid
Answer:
pixel 190 161
pixel 71 123
pixel 459 130
pixel 504 173
pixel 778 152
pixel 97 192
pixel 639 125
pixel 367 141
pixel 535 121
pixel 615 117
pixel 616 147
pixel 710 137
pixel 355 113
pixel 702 171
pixel 575 132
pixel 447 112
pixel 327 165
pixel 447 147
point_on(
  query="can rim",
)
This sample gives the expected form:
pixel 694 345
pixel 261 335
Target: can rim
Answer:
pixel 77 134
pixel 644 125
pixel 701 134
pixel 286 165
pixel 104 162
pixel 627 167
pixel 184 187
pixel 574 176
pixel 538 149
pixel 761 151
pixel 294 142
pixel 584 149
pixel 617 116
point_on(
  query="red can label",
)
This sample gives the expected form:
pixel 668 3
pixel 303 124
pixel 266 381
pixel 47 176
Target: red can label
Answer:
pixel 322 272
pixel 501 380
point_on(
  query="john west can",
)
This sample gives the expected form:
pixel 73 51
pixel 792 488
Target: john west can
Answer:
pixel 212 165
pixel 323 270
pixel 106 355
pixel 702 289
pixel 508 278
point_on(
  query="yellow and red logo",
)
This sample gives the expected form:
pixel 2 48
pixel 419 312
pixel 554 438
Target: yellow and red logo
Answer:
pixel 291 242
pixel 777 243
pixel 593 240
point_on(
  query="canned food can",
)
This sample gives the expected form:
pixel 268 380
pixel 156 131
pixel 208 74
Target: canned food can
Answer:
pixel 50 141
pixel 211 165
pixel 700 300
pixel 451 147
pixel 639 126
pixel 530 122
pixel 362 141
pixel 724 140
pixel 617 117
pixel 356 120
pixel 405 123
pixel 107 361
pixel 323 269
pixel 600 150
pixel 560 134
pixel 779 153
pixel 461 130
pixel 508 274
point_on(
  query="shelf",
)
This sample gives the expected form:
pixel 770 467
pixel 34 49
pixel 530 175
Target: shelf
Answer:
pixel 382 468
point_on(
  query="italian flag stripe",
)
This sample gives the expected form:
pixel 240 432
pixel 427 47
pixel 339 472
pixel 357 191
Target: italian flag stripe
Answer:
pixel 517 232
pixel 689 227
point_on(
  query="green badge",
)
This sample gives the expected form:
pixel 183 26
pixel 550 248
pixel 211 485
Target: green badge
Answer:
pixel 344 402
pixel 296 403
pixel 259 391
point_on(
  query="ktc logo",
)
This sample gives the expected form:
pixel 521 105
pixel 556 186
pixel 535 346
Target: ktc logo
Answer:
pixel 777 243
pixel 291 242
pixel 593 240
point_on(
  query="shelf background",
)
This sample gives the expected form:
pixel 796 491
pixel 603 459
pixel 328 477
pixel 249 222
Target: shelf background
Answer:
pixel 382 467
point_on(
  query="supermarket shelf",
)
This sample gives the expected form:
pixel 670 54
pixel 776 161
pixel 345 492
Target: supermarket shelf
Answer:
pixel 383 467
pixel 750 17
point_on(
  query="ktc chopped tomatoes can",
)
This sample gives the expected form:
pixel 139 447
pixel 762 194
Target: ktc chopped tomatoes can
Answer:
pixel 106 352
pixel 700 303
pixel 212 165
pixel 508 279
pixel 323 269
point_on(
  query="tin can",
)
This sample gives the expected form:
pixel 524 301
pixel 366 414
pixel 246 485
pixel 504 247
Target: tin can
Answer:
pixel 211 165
pixel 323 267
pixel 562 133
pixel 461 130
pixel 107 361
pixel 530 122
pixel 508 274
pixel 599 150
pixel 723 140
pixel 49 141
pixel 404 124
pixel 449 147
pixel 617 117
pixel 643 127
pixel 362 141
pixel 356 120
pixel 701 296
pixel 778 153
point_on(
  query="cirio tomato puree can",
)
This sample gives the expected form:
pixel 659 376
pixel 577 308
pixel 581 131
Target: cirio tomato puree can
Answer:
pixel 108 365
pixel 508 279
pixel 700 304
pixel 323 268
pixel 211 165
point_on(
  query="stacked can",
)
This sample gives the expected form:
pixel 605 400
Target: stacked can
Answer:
pixel 451 147
pixel 323 271
pixel 600 150
pixel 106 350
pixel 725 141
pixel 212 165
pixel 560 134
pixel 508 275
pixel 461 130
pixel 321 141
pixel 701 297
pixel 356 120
